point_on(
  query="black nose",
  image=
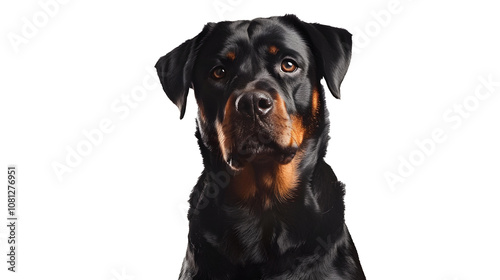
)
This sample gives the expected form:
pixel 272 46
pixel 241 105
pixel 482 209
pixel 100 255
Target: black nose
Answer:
pixel 254 103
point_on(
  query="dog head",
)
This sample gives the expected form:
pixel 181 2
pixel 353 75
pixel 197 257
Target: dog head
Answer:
pixel 257 84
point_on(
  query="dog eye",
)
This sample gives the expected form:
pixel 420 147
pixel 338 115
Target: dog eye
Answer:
pixel 218 72
pixel 288 65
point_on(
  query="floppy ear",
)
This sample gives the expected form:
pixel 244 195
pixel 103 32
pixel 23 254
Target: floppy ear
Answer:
pixel 331 47
pixel 175 70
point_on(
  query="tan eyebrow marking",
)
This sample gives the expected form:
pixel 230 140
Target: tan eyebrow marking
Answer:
pixel 231 55
pixel 273 49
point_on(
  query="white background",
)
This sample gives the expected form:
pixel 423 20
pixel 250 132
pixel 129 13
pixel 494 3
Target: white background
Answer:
pixel 120 213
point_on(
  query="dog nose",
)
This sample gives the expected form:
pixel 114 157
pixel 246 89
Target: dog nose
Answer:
pixel 254 103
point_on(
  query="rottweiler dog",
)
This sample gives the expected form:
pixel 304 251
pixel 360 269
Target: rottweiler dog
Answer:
pixel 266 205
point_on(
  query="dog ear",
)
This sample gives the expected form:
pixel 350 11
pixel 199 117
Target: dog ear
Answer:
pixel 331 47
pixel 176 67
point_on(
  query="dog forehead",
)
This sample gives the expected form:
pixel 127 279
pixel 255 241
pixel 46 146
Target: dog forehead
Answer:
pixel 250 35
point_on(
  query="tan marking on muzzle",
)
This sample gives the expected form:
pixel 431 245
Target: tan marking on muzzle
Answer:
pixel 298 131
pixel 282 123
pixel 224 129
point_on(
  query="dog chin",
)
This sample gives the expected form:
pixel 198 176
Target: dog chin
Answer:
pixel 261 155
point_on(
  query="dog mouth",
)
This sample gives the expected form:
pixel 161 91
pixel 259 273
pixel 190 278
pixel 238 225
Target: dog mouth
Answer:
pixel 259 149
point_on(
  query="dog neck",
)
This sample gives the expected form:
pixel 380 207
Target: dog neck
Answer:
pixel 266 182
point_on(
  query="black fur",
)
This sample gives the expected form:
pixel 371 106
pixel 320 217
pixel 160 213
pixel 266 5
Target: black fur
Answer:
pixel 302 237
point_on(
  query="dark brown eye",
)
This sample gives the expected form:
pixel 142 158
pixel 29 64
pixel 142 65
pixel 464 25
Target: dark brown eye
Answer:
pixel 288 65
pixel 218 72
